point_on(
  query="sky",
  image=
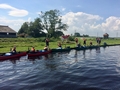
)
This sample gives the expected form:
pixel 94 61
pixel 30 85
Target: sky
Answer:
pixel 89 17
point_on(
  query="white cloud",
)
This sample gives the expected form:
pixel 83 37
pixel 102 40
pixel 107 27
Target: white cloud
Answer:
pixel 90 24
pixel 14 24
pixel 112 23
pixel 14 11
pixel 80 22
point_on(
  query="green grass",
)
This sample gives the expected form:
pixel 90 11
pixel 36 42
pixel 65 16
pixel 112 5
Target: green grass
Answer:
pixel 22 44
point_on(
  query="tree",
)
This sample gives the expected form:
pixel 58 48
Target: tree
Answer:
pixel 52 22
pixel 24 28
pixel 77 34
pixel 35 28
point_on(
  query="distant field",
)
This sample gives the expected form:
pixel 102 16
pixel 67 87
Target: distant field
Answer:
pixel 23 44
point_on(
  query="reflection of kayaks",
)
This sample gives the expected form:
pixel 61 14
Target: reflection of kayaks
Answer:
pixel 17 55
pixel 39 53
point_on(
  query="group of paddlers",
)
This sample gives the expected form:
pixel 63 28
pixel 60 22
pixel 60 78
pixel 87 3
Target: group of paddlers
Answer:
pixel 78 44
pixel 46 48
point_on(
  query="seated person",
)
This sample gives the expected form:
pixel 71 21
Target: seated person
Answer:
pixel 32 49
pixel 13 49
pixel 105 43
pixel 90 43
pixel 59 46
pixel 45 48
pixel 78 45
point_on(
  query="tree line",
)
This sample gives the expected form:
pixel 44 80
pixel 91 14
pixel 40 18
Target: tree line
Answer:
pixel 49 21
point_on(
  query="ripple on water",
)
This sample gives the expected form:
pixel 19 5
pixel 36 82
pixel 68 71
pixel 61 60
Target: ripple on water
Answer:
pixel 89 69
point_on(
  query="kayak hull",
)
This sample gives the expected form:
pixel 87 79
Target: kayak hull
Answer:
pixel 60 50
pixel 34 54
pixel 17 55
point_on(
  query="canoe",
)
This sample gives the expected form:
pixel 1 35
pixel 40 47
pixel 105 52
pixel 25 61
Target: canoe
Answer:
pixel 17 55
pixel 38 53
pixel 86 47
pixel 61 50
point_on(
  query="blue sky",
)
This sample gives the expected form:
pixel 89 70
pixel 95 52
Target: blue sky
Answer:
pixel 92 17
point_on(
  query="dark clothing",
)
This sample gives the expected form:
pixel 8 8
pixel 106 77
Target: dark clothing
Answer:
pixel 14 50
pixel 76 40
pixel 78 45
pixel 45 49
pixel 84 42
pixel 47 42
pixel 90 43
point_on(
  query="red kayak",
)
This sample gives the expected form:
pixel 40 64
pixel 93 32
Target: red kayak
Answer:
pixel 17 55
pixel 33 54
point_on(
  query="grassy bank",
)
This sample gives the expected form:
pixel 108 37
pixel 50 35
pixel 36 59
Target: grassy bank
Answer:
pixel 23 44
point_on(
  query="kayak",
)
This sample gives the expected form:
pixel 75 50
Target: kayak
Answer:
pixel 38 53
pixel 86 47
pixel 61 50
pixel 7 56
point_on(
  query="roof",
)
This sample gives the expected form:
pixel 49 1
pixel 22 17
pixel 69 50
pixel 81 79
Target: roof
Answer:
pixel 6 29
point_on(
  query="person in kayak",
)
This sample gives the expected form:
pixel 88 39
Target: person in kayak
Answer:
pixel 84 42
pixel 78 45
pixel 91 43
pixel 45 48
pixel 13 50
pixel 33 49
pixel 59 46
pixel 76 41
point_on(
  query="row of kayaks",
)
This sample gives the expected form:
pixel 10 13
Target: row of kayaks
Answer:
pixel 7 56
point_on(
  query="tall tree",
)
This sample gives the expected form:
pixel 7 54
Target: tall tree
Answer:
pixel 35 28
pixel 24 28
pixel 52 22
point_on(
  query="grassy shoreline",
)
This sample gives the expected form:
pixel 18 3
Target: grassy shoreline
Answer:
pixel 22 44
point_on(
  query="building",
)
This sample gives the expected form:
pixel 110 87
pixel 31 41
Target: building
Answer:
pixel 7 32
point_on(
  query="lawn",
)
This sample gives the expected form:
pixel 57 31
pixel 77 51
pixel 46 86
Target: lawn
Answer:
pixel 22 44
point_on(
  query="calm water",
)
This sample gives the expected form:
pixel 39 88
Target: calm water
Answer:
pixel 76 70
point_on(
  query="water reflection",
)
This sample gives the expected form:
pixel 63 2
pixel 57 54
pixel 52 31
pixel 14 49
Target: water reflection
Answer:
pixel 78 70
pixel 51 66
pixel 13 61
pixel 84 53
pixel 98 50
pixel 76 54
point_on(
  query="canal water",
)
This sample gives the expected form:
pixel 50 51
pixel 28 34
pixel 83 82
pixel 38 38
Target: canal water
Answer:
pixel 94 69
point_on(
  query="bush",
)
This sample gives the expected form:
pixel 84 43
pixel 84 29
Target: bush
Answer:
pixel 71 38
